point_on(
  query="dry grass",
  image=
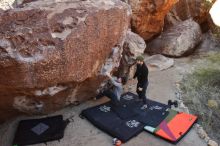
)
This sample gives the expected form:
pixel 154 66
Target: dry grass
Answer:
pixel 201 93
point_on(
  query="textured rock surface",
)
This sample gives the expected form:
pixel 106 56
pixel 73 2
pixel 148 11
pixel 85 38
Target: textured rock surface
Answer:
pixel 185 9
pixel 57 47
pixel 209 43
pixel 148 16
pixel 178 40
pixel 134 45
pixel 212 143
pixel 159 62
pixel 6 4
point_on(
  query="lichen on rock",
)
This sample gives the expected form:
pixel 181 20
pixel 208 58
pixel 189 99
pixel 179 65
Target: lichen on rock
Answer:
pixel 53 51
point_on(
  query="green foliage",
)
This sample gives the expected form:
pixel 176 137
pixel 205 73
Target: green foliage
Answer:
pixel 214 58
pixel 212 104
pixel 207 3
pixel 209 77
pixel 216 32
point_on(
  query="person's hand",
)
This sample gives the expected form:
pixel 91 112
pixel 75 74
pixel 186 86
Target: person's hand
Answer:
pixel 140 89
pixel 107 74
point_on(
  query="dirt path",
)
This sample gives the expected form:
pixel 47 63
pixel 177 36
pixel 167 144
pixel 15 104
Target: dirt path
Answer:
pixel 82 133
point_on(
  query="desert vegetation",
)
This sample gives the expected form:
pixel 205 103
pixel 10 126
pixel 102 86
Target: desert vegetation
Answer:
pixel 201 93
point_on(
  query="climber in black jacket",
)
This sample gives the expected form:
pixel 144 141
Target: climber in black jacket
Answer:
pixel 142 77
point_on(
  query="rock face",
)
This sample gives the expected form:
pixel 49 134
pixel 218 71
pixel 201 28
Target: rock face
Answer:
pixel 159 62
pixel 134 46
pixel 185 9
pixel 51 53
pixel 178 40
pixel 6 4
pixel 212 143
pixel 148 16
pixel 209 43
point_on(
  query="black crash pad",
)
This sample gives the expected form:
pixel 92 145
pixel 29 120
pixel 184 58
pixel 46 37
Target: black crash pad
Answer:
pixel 106 119
pixel 152 116
pixel 115 120
pixel 36 131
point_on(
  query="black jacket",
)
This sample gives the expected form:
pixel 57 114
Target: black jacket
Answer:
pixel 141 74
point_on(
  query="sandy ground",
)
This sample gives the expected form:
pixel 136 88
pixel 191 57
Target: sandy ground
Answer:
pixel 162 87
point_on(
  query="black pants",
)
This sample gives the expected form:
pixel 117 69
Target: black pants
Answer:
pixel 110 95
pixel 142 94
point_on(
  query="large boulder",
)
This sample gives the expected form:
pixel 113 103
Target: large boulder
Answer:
pixel 186 9
pixel 52 52
pixel 178 40
pixel 134 46
pixel 148 16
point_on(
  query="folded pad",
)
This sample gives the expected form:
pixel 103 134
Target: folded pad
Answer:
pixel 177 127
pixel 174 126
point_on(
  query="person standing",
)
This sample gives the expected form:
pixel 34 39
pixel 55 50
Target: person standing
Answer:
pixel 142 76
